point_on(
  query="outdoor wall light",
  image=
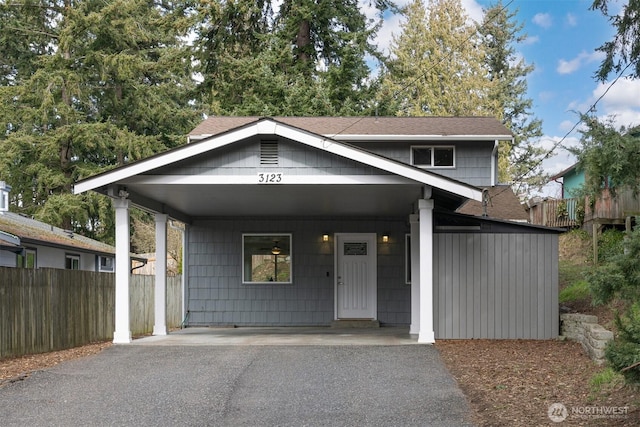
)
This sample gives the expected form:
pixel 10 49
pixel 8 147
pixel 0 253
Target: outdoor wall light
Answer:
pixel 385 238
pixel 325 237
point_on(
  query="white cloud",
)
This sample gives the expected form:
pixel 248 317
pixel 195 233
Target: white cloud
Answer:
pixel 530 40
pixel 474 10
pixel 571 20
pixel 544 20
pixel 621 102
pixel 583 58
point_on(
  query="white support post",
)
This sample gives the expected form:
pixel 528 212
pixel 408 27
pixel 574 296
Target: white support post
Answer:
pixel 185 265
pixel 414 329
pixel 122 333
pixel 160 299
pixel 426 335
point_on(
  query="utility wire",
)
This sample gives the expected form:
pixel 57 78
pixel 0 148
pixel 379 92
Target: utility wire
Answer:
pixel 561 140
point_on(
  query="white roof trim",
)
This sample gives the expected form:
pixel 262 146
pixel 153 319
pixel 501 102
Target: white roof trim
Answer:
pixel 253 179
pixel 271 127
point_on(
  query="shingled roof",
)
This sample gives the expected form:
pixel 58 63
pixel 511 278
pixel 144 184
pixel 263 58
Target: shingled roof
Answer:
pixel 35 232
pixel 383 126
pixel 503 204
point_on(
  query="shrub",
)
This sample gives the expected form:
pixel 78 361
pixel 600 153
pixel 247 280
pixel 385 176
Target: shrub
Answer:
pixel 610 245
pixel 623 354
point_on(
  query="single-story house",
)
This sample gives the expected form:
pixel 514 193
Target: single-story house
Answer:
pixel 294 221
pixel 27 243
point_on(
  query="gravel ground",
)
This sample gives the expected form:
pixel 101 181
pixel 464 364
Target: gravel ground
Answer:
pixel 514 382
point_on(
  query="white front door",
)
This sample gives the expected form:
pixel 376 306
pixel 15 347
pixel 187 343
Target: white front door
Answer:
pixel 356 276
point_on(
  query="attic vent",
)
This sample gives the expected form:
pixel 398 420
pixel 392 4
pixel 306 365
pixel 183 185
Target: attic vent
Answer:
pixel 268 153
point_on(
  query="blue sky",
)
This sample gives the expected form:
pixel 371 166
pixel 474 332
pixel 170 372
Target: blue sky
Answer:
pixel 562 36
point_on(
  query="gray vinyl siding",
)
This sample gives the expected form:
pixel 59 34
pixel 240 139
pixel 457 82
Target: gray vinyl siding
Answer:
pixel 473 161
pixel 216 295
pixel 496 285
pixel 293 159
pixel 472 158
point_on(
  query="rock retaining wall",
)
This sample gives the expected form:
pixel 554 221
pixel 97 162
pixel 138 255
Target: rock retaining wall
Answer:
pixel 585 329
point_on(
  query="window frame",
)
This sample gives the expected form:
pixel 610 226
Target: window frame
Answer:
pixel 23 259
pixel 433 149
pixel 290 255
pixel 72 257
pixel 106 270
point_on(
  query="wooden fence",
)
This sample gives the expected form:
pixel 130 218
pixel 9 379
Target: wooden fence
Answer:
pixel 49 309
pixel 607 209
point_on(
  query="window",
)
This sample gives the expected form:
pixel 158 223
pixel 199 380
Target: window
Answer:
pixel 433 157
pixel 28 260
pixel 266 258
pixel 72 262
pixel 105 263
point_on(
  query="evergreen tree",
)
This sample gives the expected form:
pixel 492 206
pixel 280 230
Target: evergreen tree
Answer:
pixel 437 66
pixel 520 163
pixel 308 58
pixel 110 88
pixel 624 50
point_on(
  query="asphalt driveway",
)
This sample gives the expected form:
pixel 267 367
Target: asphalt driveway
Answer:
pixel 321 385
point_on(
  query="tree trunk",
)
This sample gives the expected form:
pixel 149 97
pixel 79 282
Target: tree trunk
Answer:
pixel 303 40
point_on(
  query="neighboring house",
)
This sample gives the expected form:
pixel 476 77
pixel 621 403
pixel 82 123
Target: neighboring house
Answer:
pixel 572 178
pixel 295 221
pixel 25 242
pixel 575 211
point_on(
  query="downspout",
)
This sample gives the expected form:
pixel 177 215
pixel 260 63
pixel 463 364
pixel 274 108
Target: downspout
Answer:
pixel 144 262
pixel 494 163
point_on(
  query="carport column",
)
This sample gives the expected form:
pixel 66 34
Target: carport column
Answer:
pixel 415 274
pixel 122 334
pixel 426 334
pixel 160 300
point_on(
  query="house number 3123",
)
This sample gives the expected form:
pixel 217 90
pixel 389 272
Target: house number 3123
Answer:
pixel 269 178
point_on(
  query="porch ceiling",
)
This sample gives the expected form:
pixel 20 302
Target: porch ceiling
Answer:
pixel 191 201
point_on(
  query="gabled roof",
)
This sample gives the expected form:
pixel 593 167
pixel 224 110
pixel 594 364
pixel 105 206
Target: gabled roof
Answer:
pixel 564 172
pixel 269 126
pixel 30 231
pixel 371 128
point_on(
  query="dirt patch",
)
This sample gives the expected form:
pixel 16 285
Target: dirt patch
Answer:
pixel 514 382
pixel 576 246
pixel 19 368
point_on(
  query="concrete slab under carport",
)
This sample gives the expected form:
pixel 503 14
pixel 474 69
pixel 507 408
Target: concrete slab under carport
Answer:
pixel 295 336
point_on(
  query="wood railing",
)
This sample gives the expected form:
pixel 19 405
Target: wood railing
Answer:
pixel 556 213
pixel 607 209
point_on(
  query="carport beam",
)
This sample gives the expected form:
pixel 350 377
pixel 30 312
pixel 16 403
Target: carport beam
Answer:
pixel 160 299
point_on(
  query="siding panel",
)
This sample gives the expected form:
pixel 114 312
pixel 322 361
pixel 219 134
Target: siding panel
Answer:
pixel 501 286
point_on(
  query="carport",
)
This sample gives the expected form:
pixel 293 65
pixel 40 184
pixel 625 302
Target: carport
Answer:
pixel 337 197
